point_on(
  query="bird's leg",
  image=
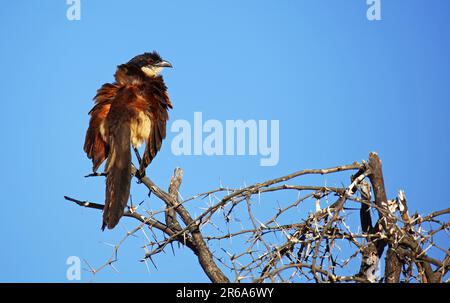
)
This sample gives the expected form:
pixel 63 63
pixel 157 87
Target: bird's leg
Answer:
pixel 140 173
pixel 138 156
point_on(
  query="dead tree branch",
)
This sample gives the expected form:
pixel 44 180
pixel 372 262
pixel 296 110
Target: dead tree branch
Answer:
pixel 284 230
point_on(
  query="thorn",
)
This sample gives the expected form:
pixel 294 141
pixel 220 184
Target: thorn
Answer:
pixel 150 257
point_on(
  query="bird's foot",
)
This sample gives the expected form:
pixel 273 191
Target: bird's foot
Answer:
pixel 140 174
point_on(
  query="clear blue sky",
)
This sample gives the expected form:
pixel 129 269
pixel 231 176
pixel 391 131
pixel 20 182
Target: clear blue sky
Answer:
pixel 340 86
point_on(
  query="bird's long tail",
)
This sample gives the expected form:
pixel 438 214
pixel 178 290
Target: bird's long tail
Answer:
pixel 118 170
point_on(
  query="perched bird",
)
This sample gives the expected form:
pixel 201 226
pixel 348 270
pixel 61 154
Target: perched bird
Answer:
pixel 133 109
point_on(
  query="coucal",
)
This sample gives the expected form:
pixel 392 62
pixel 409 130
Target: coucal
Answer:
pixel 133 109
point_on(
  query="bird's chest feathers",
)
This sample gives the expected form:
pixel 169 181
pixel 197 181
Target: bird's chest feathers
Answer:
pixel 140 129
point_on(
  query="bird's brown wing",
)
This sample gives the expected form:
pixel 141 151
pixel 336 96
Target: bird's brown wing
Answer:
pixel 158 106
pixel 95 146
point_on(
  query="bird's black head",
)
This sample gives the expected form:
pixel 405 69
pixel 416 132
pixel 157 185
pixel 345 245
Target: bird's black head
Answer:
pixel 150 63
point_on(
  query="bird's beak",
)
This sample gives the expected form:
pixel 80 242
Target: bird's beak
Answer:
pixel 164 64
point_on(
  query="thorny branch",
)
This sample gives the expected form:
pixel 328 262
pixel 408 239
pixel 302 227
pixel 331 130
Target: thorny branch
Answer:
pixel 270 231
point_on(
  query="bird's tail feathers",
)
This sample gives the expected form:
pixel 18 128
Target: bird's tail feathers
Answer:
pixel 118 179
